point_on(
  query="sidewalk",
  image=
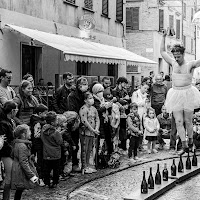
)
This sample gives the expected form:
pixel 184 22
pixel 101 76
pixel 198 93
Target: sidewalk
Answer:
pixel 66 187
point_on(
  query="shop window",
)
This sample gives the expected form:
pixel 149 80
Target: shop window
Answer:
pixel 82 68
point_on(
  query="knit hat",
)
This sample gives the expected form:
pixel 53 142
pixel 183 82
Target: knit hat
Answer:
pixel 40 108
pixel 97 88
pixel 50 117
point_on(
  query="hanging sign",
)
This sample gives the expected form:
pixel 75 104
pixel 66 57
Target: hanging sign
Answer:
pixel 87 22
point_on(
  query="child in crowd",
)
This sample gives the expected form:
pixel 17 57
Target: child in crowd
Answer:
pixel 90 119
pixel 24 175
pixel 68 143
pixel 37 121
pixel 151 126
pixel 196 135
pixel 134 131
pixel 52 142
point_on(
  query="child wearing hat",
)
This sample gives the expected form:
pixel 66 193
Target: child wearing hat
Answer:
pixel 37 121
pixel 52 142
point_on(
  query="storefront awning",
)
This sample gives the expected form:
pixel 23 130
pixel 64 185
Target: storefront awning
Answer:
pixel 75 49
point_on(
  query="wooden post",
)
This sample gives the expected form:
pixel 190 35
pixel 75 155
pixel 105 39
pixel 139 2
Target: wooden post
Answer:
pixel 132 84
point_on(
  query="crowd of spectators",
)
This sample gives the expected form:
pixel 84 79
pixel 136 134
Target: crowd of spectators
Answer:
pixel 87 128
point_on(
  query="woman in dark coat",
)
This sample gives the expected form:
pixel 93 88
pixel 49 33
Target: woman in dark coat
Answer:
pixel 7 125
pixel 24 175
pixel 26 102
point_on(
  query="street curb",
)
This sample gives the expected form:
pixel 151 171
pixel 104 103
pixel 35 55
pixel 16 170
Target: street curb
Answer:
pixel 80 184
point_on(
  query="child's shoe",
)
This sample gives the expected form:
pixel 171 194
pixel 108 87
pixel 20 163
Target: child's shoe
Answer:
pixel 132 160
pixel 155 151
pixel 149 151
pixel 136 158
pixel 88 170
pixel 93 170
pixel 41 183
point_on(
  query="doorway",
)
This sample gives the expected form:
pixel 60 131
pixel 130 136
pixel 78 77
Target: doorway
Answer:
pixel 32 61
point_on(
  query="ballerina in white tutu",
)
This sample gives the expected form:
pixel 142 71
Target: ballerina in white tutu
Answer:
pixel 182 98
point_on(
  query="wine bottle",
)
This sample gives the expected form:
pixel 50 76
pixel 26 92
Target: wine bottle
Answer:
pixel 180 165
pixel 165 173
pixel 144 186
pixel 158 176
pixel 188 162
pixel 194 159
pixel 173 168
pixel 150 180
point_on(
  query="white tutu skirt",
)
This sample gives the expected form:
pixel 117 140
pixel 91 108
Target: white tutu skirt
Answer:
pixel 182 98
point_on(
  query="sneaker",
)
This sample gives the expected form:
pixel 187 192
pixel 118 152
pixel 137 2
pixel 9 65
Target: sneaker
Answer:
pixel 88 170
pixel 93 170
pixel 76 168
pixel 160 147
pixel 136 158
pixel 182 151
pixel 132 160
pixel 155 151
pixel 149 151
pixel 41 183
pixel 172 151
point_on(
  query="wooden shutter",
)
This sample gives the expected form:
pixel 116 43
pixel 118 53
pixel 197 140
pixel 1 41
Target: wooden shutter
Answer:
pixel 105 7
pixel 192 13
pixel 171 21
pixel 119 10
pixel 178 29
pixel 129 22
pixel 161 20
pixel 184 10
pixel 135 18
pixel 71 1
pixel 88 4
pixel 192 46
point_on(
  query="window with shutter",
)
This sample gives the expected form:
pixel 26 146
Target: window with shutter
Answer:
pixel 88 4
pixel 161 20
pixel 184 10
pixel 184 41
pixel 171 21
pixel 192 13
pixel 177 29
pixel 71 1
pixel 105 7
pixel 129 23
pixel 135 18
pixel 192 46
pixel 119 10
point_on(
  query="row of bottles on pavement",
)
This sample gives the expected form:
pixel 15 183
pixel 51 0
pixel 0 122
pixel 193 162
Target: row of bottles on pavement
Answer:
pixel 150 184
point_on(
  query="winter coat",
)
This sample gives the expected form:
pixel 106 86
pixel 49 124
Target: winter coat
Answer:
pixel 36 124
pixel 52 141
pixel 59 101
pixel 23 168
pixel 26 107
pixel 75 100
pixel 6 128
pixel 158 94
pixel 150 125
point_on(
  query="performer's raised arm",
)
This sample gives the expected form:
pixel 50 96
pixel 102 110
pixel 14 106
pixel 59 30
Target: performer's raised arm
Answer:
pixel 163 52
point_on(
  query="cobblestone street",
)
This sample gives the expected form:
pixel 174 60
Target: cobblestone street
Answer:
pixel 107 184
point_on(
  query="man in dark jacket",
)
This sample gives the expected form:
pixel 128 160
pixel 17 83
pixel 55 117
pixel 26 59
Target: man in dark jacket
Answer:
pixel 158 94
pixel 75 101
pixel 59 101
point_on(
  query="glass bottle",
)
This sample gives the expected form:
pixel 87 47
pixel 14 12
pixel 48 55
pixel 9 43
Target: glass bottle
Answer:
pixel 158 176
pixel 165 173
pixel 150 180
pixel 144 186
pixel 173 168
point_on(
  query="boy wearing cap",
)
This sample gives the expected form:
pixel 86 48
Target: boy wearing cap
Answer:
pixel 52 141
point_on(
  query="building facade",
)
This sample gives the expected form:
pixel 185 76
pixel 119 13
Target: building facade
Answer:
pixel 145 21
pixel 23 54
